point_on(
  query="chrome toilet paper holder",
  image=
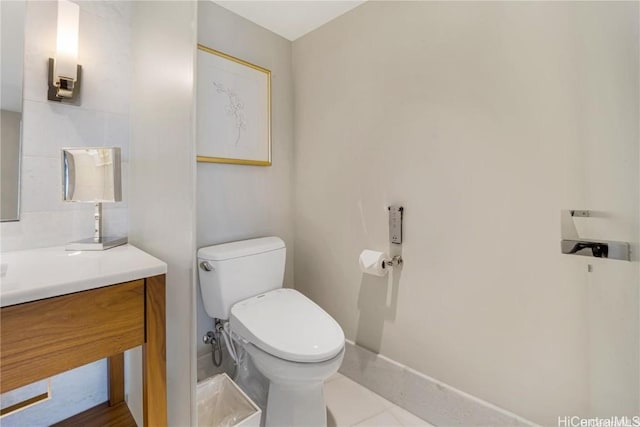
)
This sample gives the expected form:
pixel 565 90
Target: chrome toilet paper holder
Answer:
pixel 575 245
pixel 394 261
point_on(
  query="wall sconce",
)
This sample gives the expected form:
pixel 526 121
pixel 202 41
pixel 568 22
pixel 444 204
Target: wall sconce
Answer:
pixel 64 72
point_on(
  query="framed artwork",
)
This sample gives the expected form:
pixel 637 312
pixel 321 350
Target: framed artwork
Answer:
pixel 233 122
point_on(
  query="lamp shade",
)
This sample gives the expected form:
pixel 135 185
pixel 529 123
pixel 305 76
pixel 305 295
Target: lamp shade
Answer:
pixel 67 40
pixel 91 175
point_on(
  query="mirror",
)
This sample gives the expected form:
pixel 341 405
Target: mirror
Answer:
pixel 12 15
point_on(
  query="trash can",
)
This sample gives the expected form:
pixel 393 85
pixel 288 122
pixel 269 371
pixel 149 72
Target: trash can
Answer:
pixel 221 403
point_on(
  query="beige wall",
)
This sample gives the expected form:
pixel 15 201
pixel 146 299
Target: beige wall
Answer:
pixel 237 202
pixel 484 120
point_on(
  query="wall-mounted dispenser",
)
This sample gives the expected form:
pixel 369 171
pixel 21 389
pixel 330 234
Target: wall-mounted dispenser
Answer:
pixel 575 245
pixel 395 223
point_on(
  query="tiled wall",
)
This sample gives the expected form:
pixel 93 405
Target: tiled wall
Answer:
pixel 102 119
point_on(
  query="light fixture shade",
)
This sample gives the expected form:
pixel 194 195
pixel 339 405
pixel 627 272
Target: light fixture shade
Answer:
pixel 67 42
pixel 91 175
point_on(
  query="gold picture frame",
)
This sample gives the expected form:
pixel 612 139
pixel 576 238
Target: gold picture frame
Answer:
pixel 233 113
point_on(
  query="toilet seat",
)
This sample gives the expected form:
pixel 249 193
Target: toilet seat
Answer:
pixel 288 325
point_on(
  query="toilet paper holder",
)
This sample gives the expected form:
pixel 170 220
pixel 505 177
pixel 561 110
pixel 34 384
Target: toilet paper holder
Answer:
pixel 377 263
pixel 394 261
pixel 572 244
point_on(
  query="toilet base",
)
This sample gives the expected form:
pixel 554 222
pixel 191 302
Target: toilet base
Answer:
pixel 295 396
pixel 296 406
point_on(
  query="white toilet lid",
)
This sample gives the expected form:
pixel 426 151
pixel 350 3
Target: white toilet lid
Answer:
pixel 286 324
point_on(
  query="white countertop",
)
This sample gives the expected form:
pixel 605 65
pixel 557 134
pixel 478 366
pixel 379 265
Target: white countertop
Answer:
pixel 35 274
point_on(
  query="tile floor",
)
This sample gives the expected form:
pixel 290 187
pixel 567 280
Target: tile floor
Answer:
pixel 350 404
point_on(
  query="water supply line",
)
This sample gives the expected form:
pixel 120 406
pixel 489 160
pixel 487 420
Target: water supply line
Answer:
pixel 215 337
pixel 228 340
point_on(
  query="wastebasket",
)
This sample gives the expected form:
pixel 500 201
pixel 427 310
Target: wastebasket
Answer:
pixel 221 403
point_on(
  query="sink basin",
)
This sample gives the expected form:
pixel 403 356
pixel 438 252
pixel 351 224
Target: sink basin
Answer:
pixel 35 274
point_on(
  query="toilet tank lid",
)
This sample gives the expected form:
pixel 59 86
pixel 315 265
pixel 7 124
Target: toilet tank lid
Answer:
pixel 240 249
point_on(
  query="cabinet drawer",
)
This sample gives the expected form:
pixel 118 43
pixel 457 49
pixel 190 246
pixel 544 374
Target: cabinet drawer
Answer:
pixel 43 338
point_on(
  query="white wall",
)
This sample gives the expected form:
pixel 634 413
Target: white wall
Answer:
pixel 237 202
pixel 484 120
pixel 102 119
pixel 162 216
pixel 71 392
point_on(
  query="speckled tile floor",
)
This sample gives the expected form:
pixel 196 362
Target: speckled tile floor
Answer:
pixel 350 404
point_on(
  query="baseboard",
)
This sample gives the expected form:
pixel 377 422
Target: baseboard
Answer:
pixel 430 399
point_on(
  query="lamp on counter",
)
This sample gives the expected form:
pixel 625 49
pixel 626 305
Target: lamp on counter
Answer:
pixel 64 72
pixel 92 175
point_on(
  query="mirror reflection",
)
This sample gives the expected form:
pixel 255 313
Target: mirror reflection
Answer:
pixel 12 15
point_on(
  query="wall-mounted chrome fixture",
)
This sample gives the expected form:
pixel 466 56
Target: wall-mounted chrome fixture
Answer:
pixel 64 72
pixel 394 261
pixel 92 175
pixel 574 245
pixel 395 223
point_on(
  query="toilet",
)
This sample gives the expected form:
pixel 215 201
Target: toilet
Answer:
pixel 291 341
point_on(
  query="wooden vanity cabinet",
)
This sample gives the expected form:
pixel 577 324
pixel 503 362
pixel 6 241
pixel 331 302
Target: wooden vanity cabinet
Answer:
pixel 42 338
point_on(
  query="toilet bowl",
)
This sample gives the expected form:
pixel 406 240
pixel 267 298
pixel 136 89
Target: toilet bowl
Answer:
pixel 291 341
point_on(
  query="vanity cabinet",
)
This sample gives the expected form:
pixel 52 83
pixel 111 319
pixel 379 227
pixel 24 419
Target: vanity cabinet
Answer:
pixel 44 337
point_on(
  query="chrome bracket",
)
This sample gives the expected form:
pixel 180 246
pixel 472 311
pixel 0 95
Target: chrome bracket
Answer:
pixel 395 261
pixel 583 214
pixel 576 245
pixel 66 90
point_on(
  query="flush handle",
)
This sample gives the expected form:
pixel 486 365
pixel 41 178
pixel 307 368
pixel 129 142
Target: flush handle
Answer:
pixel 206 266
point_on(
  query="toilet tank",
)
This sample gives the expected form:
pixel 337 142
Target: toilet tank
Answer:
pixel 239 270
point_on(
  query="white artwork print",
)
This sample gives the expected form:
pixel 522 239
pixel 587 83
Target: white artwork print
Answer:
pixel 233 111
